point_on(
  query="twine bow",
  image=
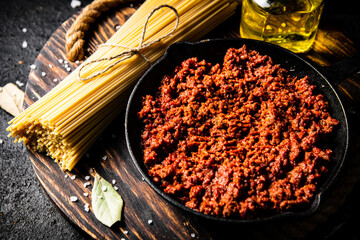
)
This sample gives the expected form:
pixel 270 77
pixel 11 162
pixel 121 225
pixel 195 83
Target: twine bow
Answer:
pixel 131 51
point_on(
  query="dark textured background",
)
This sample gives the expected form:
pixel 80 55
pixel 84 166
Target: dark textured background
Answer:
pixel 25 210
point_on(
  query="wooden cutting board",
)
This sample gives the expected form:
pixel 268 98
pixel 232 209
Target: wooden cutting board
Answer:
pixel 146 215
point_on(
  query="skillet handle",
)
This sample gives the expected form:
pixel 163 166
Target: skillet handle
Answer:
pixel 343 69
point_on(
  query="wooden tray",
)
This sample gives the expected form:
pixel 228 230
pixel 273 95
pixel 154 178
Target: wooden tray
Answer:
pixel 146 215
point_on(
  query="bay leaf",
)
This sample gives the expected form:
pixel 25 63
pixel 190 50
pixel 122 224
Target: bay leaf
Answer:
pixel 106 203
pixel 11 99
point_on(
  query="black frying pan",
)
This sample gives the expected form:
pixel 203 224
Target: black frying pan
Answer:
pixel 214 51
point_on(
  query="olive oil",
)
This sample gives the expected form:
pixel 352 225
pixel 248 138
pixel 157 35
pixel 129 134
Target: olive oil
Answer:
pixel 291 24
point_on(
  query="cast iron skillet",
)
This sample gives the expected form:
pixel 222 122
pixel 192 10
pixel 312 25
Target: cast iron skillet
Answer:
pixel 213 51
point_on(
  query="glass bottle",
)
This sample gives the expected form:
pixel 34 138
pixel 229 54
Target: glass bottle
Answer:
pixel 291 24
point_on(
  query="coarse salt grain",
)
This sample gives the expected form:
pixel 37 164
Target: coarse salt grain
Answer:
pixel 1 141
pixel 126 232
pixel 66 176
pixel 73 198
pixel 86 184
pixel 24 30
pixel 91 170
pixel 85 194
pixel 77 62
pixel 50 66
pixel 33 66
pixel 104 188
pixel 192 235
pixel 60 60
pixel 20 84
pixel 68 69
pixel 150 221
pixel 73 177
pixel 87 178
pixel 55 80
pixel 104 157
pixel 86 207
pixel 113 181
pixel 116 188
pixel 75 3
pixel 24 44
pixel 43 74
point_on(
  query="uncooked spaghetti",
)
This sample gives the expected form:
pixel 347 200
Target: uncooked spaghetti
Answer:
pixel 67 120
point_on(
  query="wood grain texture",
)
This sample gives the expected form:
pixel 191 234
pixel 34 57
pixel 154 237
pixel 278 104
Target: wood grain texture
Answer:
pixel 141 202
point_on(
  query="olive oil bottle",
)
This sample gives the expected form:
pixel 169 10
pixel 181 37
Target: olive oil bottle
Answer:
pixel 291 24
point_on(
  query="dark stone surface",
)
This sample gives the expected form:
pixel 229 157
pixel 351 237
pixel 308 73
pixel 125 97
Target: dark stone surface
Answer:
pixel 25 210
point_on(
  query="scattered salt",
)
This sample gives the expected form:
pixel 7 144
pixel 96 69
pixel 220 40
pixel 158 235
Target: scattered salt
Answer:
pixel 86 184
pixel 33 66
pixel 1 141
pixel 75 3
pixel 68 69
pixel 50 66
pixel 24 30
pixel 43 74
pixel 150 221
pixel 86 207
pixel 55 80
pixel 73 177
pixel 60 60
pixel 73 198
pixel 85 194
pixel 66 176
pixel 87 178
pixel 116 188
pixel 113 181
pixel 91 170
pixel 77 62
pixel 20 84
pixel 126 232
pixel 24 44
pixel 104 157
pixel 192 235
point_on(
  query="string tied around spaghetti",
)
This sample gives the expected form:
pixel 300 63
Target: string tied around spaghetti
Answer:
pixel 131 51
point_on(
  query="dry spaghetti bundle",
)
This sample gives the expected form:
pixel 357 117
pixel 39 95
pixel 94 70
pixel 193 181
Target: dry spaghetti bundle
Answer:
pixel 67 120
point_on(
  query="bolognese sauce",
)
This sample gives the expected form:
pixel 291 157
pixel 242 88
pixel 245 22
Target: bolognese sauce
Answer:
pixel 240 138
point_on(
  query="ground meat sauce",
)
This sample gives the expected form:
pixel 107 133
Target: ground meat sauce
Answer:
pixel 241 139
